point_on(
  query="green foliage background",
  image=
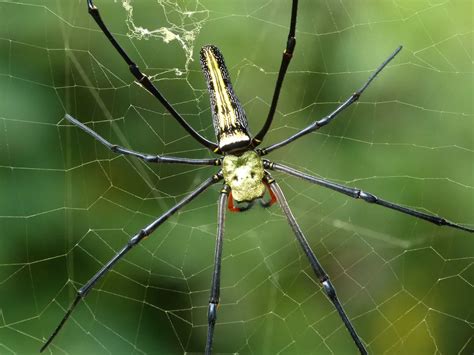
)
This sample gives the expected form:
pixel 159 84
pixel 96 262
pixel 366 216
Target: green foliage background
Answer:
pixel 67 204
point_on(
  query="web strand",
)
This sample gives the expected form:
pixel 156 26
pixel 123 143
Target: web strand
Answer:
pixel 68 203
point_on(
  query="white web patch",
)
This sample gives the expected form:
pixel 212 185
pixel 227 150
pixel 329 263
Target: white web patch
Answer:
pixel 183 23
pixel 67 204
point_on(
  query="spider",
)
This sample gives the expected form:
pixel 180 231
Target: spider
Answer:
pixel 244 171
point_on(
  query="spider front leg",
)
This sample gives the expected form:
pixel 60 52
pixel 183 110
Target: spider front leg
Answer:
pixel 137 238
pixel 216 275
pixel 145 81
pixel 325 120
pixel 318 270
pixel 285 62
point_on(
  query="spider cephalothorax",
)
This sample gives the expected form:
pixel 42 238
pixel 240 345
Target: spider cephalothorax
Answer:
pixel 244 175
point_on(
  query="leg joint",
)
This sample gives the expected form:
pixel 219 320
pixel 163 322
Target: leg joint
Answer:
pixel 217 177
pixel 212 312
pixel 136 72
pixel 267 164
pixel 137 238
pixel 152 158
pixel 225 189
pixel 114 148
pixel 268 180
pixel 290 47
pixel 367 196
pixel 91 8
pixel 329 288
pixel 322 122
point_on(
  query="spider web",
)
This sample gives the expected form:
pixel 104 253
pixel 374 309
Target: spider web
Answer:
pixel 67 204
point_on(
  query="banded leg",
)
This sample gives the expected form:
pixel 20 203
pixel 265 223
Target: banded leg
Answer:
pixel 315 265
pixel 216 275
pixel 325 120
pixel 366 196
pixel 285 61
pixel 145 81
pixel 146 157
pixel 137 238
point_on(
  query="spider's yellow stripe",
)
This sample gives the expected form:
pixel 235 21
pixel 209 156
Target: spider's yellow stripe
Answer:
pixel 225 111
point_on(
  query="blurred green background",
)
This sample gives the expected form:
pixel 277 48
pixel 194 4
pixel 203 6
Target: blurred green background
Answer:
pixel 67 204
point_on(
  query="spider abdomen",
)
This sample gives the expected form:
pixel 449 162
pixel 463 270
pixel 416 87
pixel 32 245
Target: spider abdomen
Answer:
pixel 228 115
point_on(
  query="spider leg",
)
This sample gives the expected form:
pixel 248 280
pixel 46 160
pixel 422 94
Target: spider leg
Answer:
pixel 325 120
pixel 145 81
pixel 315 265
pixel 216 275
pixel 285 61
pixel 146 157
pixel 366 196
pixel 137 238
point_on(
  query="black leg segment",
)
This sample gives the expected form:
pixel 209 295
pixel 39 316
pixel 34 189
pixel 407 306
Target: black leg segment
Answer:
pixel 325 120
pixel 137 238
pixel 145 81
pixel 366 196
pixel 285 62
pixel 315 265
pixel 216 275
pixel 145 157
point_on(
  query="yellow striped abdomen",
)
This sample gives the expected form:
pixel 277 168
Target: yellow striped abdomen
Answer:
pixel 230 122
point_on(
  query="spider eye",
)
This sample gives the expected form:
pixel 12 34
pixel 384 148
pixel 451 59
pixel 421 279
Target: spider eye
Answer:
pixel 252 174
pixel 235 178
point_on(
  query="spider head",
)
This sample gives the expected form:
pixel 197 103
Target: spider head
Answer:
pixel 244 175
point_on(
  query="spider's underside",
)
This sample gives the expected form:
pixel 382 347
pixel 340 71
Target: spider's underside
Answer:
pixel 244 171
